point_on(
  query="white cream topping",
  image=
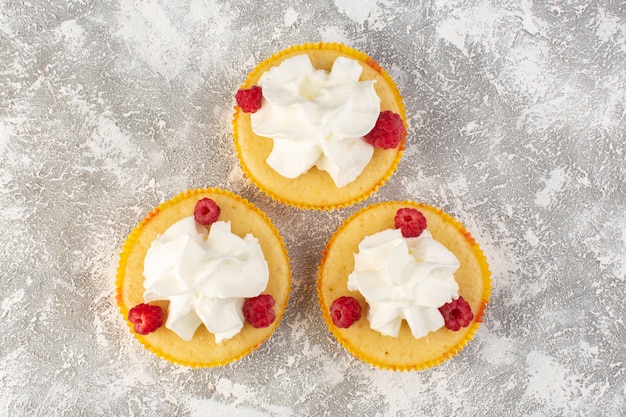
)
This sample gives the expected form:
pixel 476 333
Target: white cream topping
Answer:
pixel 205 275
pixel 404 278
pixel 317 118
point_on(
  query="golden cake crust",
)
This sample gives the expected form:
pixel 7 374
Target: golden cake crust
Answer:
pixel 202 351
pixel 403 352
pixel 316 189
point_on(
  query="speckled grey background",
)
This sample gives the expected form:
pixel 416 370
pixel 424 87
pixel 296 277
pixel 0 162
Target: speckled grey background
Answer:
pixel 517 128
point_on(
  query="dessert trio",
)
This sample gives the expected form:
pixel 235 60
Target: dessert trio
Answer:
pixel 204 279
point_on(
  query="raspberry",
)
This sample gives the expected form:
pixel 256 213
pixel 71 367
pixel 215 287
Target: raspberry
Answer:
pixel 206 211
pixel 145 318
pixel 249 100
pixel 258 311
pixel 388 131
pixel 410 221
pixel 345 311
pixel 457 313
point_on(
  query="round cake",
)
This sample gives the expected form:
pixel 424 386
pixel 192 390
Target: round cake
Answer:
pixel 367 262
pixel 216 273
pixel 314 136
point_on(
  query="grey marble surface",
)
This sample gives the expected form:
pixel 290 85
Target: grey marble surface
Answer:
pixel 517 128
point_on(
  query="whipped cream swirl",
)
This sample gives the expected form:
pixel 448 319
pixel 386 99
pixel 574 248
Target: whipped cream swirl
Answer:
pixel 205 275
pixel 404 278
pixel 317 118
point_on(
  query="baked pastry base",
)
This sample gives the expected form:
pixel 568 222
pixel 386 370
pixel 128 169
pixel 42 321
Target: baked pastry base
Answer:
pixel 316 189
pixel 202 351
pixel 403 352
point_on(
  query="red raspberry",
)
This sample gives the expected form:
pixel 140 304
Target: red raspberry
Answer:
pixel 457 313
pixel 388 131
pixel 249 100
pixel 206 211
pixel 410 221
pixel 145 318
pixel 258 311
pixel 345 311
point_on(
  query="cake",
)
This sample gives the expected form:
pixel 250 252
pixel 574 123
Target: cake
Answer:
pixel 319 126
pixel 403 302
pixel 206 259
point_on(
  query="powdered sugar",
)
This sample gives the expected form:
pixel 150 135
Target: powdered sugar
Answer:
pixel 550 384
pixel 552 185
pixel 366 10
